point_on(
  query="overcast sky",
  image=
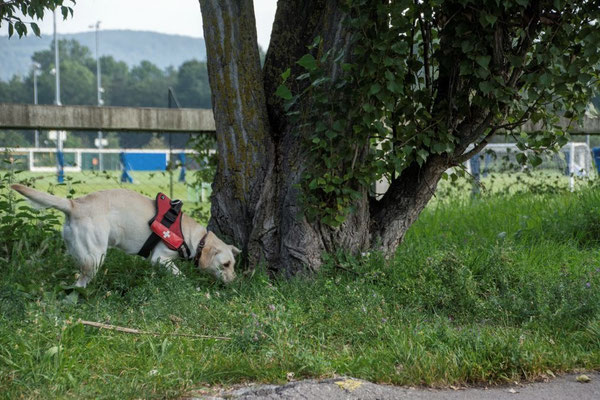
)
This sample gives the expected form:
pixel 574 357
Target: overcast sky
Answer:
pixel 181 17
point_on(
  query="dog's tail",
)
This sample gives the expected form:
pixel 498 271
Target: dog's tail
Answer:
pixel 44 200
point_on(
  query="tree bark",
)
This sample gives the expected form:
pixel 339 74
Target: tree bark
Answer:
pixel 404 200
pixel 255 201
pixel 244 177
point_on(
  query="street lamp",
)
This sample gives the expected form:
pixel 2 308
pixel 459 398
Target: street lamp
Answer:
pixel 36 67
pixel 100 90
pixel 60 162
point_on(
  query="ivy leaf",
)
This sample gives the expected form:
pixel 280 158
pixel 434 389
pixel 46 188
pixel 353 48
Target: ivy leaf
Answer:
pixel 308 62
pixel 286 74
pixel 484 61
pixel 466 46
pixel 486 87
pixel 491 19
pixel 465 68
pixel 283 92
pixel 374 89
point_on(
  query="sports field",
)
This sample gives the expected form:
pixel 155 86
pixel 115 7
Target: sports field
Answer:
pixel 146 182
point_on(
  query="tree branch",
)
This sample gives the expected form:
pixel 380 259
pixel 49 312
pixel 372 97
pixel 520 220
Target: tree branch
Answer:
pixel 139 332
pixel 474 151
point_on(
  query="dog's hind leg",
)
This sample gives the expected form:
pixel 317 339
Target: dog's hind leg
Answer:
pixel 88 247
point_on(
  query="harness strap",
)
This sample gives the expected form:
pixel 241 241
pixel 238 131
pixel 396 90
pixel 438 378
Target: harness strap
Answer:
pixel 168 219
pixel 184 251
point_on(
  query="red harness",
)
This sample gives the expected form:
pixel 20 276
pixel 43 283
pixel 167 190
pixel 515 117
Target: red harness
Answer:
pixel 166 226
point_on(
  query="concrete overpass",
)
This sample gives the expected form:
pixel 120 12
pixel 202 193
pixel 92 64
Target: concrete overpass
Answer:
pixel 82 118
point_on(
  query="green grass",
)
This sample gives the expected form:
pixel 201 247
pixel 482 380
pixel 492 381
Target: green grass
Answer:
pixel 487 290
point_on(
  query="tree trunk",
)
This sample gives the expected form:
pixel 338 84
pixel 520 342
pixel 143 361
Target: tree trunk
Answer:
pixel 255 201
pixel 243 183
pixel 404 200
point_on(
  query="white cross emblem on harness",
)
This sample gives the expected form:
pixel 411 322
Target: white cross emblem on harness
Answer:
pixel 167 234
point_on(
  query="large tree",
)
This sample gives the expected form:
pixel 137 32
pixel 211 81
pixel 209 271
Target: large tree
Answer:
pixel 396 89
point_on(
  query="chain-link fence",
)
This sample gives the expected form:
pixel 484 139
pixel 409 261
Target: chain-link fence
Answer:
pixel 177 164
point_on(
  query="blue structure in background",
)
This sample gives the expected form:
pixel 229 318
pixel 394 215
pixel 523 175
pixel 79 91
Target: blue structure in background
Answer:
pixel 60 166
pixel 146 161
pixel 181 157
pixel 125 177
pixel 475 164
pixel 596 155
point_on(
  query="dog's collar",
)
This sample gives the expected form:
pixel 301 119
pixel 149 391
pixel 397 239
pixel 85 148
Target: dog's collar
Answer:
pixel 199 249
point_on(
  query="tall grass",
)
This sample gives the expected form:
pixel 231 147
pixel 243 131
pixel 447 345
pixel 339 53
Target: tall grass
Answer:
pixel 482 291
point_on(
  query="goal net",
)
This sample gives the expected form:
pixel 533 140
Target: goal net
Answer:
pixel 572 163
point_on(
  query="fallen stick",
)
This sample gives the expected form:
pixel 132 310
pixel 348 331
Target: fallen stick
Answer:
pixel 138 332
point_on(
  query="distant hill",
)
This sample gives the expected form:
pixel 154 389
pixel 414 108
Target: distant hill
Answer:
pixel 130 46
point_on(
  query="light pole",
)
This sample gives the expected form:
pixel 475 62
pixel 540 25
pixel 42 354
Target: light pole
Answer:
pixel 36 66
pixel 100 90
pixel 56 65
pixel 60 162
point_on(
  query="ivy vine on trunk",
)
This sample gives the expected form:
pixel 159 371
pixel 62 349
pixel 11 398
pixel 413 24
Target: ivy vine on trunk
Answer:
pixel 355 91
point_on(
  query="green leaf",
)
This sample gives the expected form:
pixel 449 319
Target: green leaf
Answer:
pixel 316 42
pixel 484 61
pixel 545 79
pixel 465 68
pixel 35 28
pixel 491 19
pixel 515 61
pixel 466 46
pixel 535 160
pixel 11 29
pixel 486 86
pixel 521 158
pixel 338 126
pixel 283 92
pixel 286 74
pixel 308 62
pixel 374 89
pixel 584 78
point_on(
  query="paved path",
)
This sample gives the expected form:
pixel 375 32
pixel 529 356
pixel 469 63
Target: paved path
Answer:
pixel 562 388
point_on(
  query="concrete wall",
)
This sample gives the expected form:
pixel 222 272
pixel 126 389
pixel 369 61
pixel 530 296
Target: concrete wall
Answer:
pixel 29 116
pixel 589 126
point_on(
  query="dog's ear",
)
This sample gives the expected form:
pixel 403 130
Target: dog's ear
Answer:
pixel 235 250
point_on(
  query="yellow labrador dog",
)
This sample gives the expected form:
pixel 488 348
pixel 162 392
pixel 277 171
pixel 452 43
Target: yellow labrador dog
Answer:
pixel 119 218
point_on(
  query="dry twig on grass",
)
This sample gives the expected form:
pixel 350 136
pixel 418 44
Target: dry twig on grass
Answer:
pixel 139 332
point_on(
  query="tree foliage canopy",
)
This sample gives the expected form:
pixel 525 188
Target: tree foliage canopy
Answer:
pixel 11 10
pixel 435 80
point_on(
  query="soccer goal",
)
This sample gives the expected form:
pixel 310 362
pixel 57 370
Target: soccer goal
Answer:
pixel 573 161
